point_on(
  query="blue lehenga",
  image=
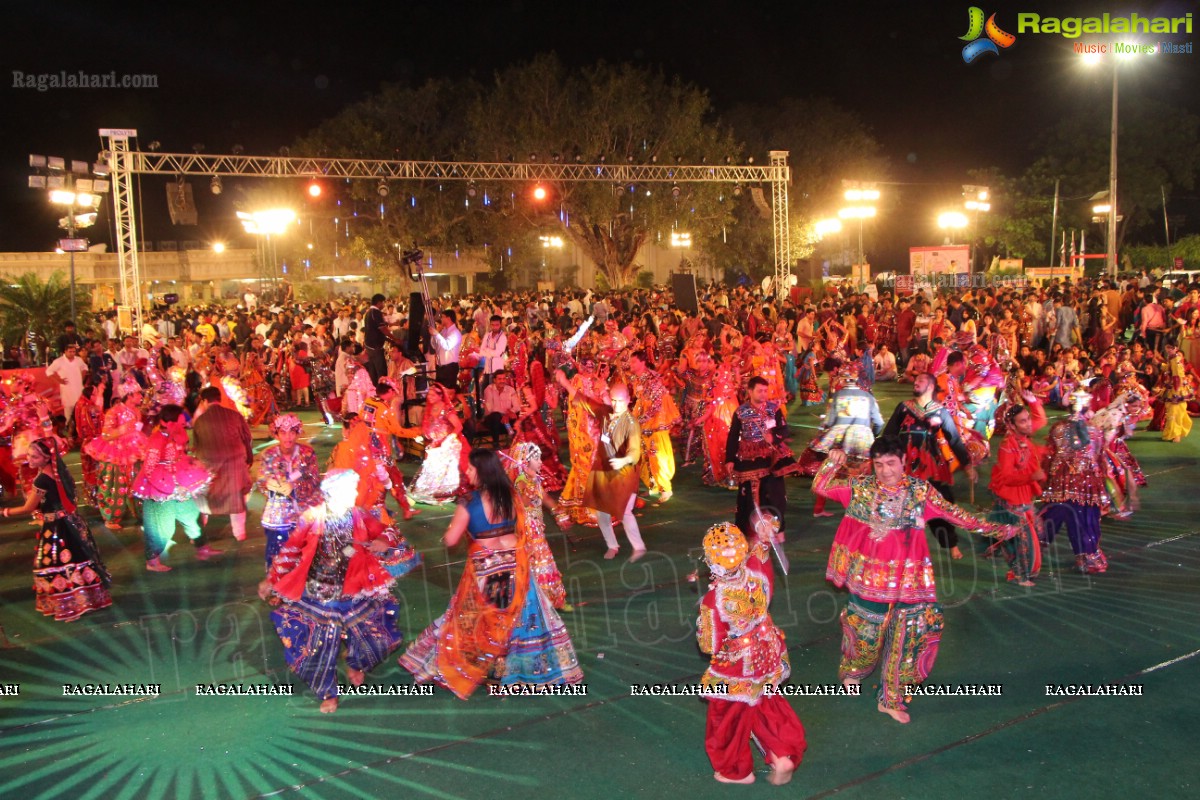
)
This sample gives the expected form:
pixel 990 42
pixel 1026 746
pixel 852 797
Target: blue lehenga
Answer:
pixel 538 649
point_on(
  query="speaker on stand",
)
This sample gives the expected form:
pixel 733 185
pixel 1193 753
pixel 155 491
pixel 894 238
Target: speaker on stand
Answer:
pixel 683 284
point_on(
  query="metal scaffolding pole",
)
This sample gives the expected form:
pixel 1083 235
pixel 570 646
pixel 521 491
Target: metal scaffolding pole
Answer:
pixel 120 163
pixel 780 224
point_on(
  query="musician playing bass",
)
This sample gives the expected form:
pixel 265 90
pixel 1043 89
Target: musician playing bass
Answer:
pixel 924 426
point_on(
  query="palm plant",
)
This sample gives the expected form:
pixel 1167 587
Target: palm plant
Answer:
pixel 32 311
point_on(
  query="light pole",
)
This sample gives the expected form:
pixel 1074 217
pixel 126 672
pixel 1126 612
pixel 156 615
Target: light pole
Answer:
pixel 977 201
pixel 75 189
pixel 1110 253
pixel 863 196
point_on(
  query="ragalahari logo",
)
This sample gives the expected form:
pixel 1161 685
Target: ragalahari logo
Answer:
pixel 995 40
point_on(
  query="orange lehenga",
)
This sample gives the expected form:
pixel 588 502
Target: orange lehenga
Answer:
pixel 259 395
pixel 723 395
pixel 582 435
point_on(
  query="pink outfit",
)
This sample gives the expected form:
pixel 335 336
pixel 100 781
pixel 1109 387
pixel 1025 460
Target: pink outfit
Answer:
pixel 169 472
pixel 121 441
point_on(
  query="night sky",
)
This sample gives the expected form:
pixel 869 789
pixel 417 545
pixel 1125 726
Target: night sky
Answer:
pixel 259 76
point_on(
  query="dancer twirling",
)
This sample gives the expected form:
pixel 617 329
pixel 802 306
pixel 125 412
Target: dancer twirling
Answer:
pixel 329 588
pixel 69 576
pixel 613 480
pixel 289 479
pixel 168 484
pixel 1075 493
pixel 880 556
pixel 1016 482
pixel 117 450
pixel 499 623
pixel 440 478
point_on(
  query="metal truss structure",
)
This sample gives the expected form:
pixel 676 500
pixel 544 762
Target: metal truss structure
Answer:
pixel 125 163
pixel 781 229
pixel 118 157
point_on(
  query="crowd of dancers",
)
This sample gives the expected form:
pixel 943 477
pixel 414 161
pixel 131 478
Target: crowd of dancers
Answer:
pixel 165 424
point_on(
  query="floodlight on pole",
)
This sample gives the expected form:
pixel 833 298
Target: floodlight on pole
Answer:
pixel 952 219
pixel 74 188
pixel 977 202
pixel 1110 255
pixel 827 227
pixel 863 195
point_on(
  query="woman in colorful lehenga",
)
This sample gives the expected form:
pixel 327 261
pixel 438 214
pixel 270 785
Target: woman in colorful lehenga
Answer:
pixel 1176 392
pixel 259 395
pixel 719 406
pixel 89 421
pixel 810 390
pixel 532 427
pixel 696 369
pixel 500 625
pixel 361 389
pixel 322 382
pixel 1189 337
pixel 1008 329
pixel 583 432
pixel 69 577
pixel 441 472
pixel 330 588
pixel 290 480
pixel 118 449
pixel 525 471
pixel 1122 472
pixel 168 484
pixel 765 362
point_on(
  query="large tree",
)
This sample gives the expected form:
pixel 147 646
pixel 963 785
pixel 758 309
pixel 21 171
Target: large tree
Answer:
pixel 616 113
pixel 367 222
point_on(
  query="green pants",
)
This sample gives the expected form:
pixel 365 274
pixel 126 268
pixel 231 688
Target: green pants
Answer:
pixel 159 518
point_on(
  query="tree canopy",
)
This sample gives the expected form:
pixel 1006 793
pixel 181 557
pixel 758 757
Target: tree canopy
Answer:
pixel 537 110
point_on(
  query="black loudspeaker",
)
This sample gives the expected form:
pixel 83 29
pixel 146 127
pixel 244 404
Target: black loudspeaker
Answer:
pixel 684 286
pixel 416 322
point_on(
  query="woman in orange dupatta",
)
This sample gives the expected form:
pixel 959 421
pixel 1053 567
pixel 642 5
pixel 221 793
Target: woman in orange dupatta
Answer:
pixel 468 645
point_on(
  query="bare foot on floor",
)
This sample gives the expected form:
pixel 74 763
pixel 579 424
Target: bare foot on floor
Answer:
pixel 329 706
pixel 900 716
pixel 611 554
pixel 748 779
pixel 955 553
pixel 848 682
pixel 781 771
pixel 356 676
